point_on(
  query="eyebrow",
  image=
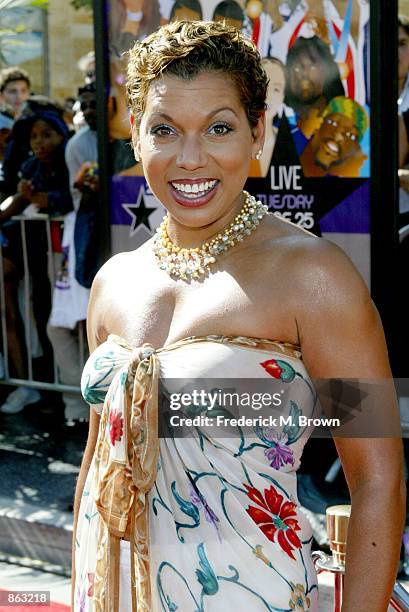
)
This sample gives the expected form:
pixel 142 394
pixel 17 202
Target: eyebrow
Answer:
pixel 209 116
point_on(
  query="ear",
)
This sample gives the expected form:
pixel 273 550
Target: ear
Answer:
pixel 259 134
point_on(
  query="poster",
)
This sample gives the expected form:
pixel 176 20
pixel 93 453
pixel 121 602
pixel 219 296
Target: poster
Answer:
pixel 21 34
pixel 315 167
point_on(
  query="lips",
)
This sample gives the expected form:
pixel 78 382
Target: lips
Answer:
pixel 332 148
pixel 193 192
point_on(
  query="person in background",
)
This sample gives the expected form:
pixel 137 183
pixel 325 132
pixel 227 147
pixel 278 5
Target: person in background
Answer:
pixel 83 147
pixel 188 10
pixel 18 148
pixel 68 115
pixel 6 123
pixel 15 88
pixel 81 156
pixel 43 185
pixel 87 66
pixel 231 12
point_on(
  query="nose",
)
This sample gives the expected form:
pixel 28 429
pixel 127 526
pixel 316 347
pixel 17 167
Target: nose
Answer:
pixel 192 153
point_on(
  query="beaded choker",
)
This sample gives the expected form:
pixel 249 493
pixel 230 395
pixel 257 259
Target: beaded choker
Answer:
pixel 194 263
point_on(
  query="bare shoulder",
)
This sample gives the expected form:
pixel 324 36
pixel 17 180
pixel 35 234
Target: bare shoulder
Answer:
pixel 339 327
pixel 315 266
pixel 119 265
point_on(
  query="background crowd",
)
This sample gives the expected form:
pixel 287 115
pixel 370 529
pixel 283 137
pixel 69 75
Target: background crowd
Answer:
pixel 48 164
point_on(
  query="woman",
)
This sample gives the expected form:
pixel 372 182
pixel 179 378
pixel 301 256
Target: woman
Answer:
pixel 212 521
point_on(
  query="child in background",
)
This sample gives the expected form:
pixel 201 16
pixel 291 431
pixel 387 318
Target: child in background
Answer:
pixel 44 186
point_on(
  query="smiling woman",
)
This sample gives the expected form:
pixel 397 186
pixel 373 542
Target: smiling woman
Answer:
pixel 211 521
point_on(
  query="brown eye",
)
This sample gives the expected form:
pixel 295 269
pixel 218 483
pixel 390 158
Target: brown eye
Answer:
pixel 161 130
pixel 220 129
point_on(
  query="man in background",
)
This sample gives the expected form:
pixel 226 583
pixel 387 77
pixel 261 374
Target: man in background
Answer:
pixel 15 88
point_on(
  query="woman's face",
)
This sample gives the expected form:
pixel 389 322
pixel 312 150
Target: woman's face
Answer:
pixel 44 139
pixel 403 53
pixel 276 87
pixel 195 143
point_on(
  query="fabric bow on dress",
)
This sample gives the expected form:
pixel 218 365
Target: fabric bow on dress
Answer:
pixel 126 459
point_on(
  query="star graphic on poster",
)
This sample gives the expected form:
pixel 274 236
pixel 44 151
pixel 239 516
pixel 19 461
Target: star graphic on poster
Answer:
pixel 140 213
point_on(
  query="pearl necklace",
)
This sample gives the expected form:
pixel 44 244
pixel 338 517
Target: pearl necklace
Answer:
pixel 192 263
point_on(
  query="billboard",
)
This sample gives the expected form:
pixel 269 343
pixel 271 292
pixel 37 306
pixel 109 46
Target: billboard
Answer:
pixel 315 167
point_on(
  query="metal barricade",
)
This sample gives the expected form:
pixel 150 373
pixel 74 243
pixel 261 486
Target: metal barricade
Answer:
pixel 337 527
pixel 30 381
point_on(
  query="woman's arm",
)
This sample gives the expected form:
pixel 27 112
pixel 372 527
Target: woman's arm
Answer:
pixel 341 336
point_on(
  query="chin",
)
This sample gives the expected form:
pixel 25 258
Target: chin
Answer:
pixel 193 218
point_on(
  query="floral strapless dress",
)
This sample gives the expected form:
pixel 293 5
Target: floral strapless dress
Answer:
pixel 214 523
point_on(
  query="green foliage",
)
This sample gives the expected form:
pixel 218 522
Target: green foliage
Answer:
pixel 78 4
pixel 39 3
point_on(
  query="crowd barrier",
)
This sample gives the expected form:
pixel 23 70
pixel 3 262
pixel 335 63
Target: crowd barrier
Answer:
pixel 54 384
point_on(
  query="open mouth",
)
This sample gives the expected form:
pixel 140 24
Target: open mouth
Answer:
pixel 332 148
pixel 193 193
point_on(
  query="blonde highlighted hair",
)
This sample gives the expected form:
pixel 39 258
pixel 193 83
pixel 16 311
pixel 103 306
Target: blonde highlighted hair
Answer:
pixel 188 48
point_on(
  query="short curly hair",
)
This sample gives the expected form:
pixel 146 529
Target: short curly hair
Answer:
pixel 188 48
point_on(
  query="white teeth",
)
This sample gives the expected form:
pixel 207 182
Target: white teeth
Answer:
pixel 194 189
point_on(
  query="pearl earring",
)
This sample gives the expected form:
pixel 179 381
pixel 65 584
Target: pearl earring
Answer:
pixel 259 154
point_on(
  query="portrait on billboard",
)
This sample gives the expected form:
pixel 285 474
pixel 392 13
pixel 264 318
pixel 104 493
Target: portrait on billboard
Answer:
pixel 335 148
pixel 316 55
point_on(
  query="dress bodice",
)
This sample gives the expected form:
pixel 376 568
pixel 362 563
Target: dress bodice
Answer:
pixel 202 356
pixel 209 362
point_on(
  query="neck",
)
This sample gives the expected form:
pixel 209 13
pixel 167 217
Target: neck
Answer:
pixel 190 237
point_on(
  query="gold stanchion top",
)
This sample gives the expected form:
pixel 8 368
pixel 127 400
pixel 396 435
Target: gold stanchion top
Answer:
pixel 337 528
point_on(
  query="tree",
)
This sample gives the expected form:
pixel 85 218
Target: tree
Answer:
pixel 78 4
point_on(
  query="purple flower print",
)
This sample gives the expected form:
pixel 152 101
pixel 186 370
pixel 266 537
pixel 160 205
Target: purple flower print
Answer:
pixel 80 598
pixel 278 454
pixel 201 503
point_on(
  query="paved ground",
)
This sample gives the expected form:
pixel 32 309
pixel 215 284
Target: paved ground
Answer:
pixel 39 455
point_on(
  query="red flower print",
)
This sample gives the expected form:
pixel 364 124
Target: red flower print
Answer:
pixel 271 367
pixel 116 426
pixel 91 577
pixel 275 517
